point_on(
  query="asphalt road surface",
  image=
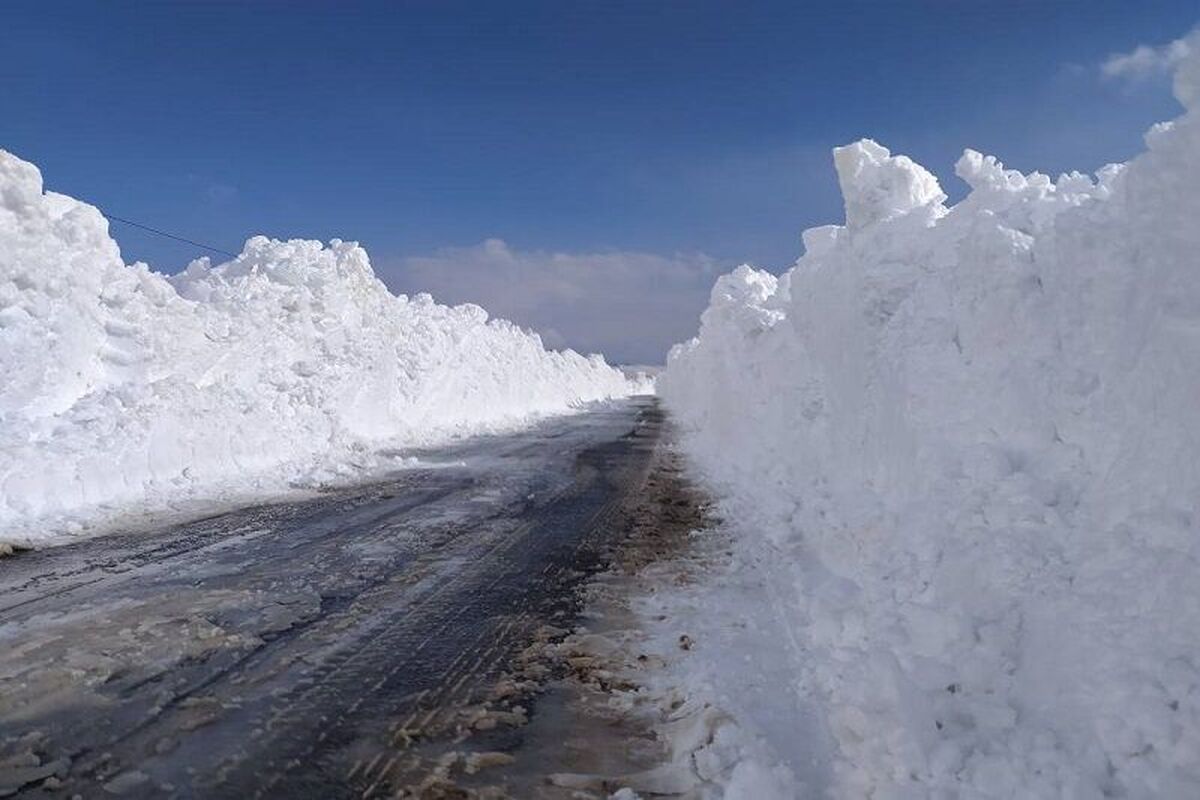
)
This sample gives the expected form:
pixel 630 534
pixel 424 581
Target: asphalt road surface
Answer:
pixel 307 649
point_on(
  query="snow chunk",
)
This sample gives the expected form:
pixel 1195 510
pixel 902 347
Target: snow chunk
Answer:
pixel 877 186
pixel 820 240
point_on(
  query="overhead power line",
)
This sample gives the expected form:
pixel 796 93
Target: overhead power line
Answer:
pixel 115 218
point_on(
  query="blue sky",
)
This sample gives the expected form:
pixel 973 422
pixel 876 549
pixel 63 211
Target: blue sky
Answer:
pixel 695 135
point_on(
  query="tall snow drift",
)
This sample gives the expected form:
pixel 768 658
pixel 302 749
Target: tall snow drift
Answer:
pixel 121 386
pixel 971 437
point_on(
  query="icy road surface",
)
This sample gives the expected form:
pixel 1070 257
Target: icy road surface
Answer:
pixel 301 649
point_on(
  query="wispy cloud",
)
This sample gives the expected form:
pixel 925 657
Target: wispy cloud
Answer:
pixel 1145 61
pixel 216 192
pixel 630 306
pixel 220 192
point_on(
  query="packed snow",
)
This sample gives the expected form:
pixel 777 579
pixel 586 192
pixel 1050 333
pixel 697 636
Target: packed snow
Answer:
pixel 961 446
pixel 290 364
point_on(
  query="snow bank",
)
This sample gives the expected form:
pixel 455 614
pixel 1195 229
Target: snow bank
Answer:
pixel 121 386
pixel 971 435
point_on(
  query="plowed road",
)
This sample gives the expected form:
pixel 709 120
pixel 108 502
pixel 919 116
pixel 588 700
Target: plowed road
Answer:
pixel 297 649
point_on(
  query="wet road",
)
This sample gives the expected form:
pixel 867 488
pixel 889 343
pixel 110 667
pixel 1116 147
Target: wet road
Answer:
pixel 304 649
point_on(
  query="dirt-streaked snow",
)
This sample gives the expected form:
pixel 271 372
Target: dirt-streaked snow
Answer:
pixel 962 445
pixel 292 363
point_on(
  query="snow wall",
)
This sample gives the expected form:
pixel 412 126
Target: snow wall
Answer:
pixel 120 387
pixel 972 435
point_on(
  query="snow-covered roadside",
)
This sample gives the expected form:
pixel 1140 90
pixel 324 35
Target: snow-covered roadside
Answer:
pixel 713 624
pixel 290 365
pixel 644 699
pixel 961 448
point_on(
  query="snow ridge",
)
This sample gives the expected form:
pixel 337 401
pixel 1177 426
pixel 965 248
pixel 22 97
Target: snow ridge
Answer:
pixel 970 437
pixel 291 363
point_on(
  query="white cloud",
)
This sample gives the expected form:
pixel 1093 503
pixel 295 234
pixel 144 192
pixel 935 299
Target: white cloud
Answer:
pixel 1145 61
pixel 630 306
